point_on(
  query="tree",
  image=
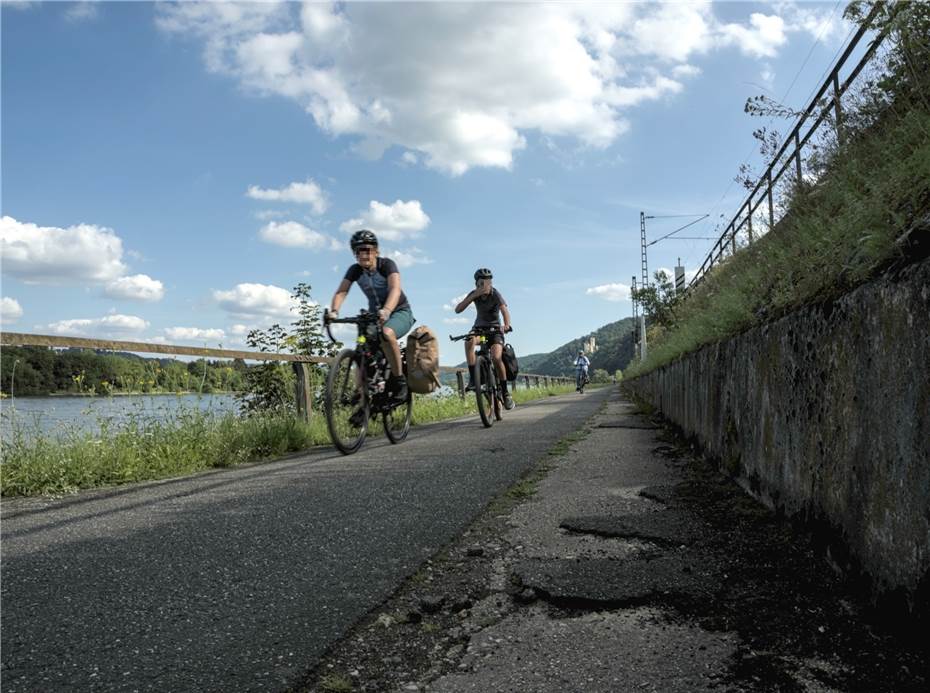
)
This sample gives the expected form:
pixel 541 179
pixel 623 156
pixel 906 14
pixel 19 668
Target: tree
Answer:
pixel 659 300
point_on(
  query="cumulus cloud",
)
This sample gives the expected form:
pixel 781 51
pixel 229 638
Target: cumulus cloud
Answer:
pixel 610 292
pixel 10 310
pixel 256 301
pixel 194 334
pixel 113 326
pixel 47 254
pixel 473 79
pixel 292 234
pixel 83 11
pixel 409 257
pixel 392 222
pixel 81 254
pixel 308 193
pixel 138 287
pixel 456 321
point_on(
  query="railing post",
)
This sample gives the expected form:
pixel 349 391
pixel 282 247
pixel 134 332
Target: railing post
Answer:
pixel 537 381
pixel 836 105
pixel 302 389
pixel 732 239
pixel 526 381
pixel 460 379
pixel 749 214
pixel 771 203
pixel 797 155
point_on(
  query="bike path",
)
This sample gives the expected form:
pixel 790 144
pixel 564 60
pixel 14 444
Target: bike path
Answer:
pixel 240 579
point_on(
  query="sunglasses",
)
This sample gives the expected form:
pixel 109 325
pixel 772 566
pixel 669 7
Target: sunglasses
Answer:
pixel 364 249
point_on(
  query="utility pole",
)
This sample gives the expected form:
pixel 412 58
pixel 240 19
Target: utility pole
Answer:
pixel 642 233
pixel 635 318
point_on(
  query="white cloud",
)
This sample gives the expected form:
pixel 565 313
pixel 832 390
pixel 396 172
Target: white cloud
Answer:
pixel 610 292
pixel 81 254
pixel 408 258
pixel 194 334
pixel 51 255
pixel 114 326
pixel 308 193
pixel 762 39
pixel 292 234
pixel 255 301
pixel 138 287
pixel 82 11
pixel 266 214
pixel 390 222
pixel 10 310
pixel 473 79
pixel 456 321
pixel 454 302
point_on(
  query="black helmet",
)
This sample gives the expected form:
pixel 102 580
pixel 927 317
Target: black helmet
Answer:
pixel 483 273
pixel 363 237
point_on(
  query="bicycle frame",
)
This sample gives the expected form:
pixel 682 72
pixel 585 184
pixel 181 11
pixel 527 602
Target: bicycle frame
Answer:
pixel 370 356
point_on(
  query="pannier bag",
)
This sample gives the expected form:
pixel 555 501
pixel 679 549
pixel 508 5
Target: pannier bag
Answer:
pixel 510 362
pixel 422 360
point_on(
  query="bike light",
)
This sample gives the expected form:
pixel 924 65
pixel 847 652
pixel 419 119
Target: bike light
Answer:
pixel 361 339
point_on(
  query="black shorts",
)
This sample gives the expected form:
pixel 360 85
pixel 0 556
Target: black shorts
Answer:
pixel 494 337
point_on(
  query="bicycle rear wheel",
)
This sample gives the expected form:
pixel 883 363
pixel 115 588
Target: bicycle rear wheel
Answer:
pixel 397 420
pixel 346 403
pixel 484 392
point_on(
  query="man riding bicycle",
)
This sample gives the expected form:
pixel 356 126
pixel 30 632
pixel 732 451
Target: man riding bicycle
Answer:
pixel 581 370
pixel 379 279
pixel 490 306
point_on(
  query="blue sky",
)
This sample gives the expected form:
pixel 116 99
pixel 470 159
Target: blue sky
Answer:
pixel 171 171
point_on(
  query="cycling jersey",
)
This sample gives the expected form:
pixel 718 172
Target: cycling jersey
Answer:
pixel 582 363
pixel 489 309
pixel 374 283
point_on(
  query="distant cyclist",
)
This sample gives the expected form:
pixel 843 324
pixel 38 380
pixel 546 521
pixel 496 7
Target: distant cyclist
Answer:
pixel 379 278
pixel 490 306
pixel 582 364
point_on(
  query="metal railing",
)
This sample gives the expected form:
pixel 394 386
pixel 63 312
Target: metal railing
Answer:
pixel 790 151
pixel 299 362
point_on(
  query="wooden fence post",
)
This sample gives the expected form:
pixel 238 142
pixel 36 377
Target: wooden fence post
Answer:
pixel 526 381
pixel 302 389
pixel 460 379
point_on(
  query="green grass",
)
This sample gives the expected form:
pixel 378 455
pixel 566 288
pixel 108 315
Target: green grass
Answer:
pixel 336 683
pixel 36 463
pixel 837 234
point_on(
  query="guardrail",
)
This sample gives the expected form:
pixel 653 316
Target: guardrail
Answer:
pixel 791 151
pixel 299 362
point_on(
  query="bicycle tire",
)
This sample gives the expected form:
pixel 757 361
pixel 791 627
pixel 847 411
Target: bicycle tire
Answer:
pixel 483 393
pixel 343 385
pixel 396 429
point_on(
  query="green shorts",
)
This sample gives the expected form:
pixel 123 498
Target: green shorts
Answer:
pixel 400 321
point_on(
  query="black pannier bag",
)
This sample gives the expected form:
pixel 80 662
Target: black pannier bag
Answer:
pixel 510 363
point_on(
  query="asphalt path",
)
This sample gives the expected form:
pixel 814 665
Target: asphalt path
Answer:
pixel 240 579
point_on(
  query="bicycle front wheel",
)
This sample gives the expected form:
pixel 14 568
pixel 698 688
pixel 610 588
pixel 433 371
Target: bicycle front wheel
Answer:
pixel 397 420
pixel 484 392
pixel 346 403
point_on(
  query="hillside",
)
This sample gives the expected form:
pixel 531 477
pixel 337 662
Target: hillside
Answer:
pixel 614 352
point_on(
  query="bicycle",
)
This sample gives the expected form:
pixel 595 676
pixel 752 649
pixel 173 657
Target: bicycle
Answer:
pixel 356 387
pixel 487 387
pixel 581 379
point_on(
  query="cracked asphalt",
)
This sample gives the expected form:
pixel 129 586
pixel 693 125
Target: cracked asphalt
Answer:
pixel 632 565
pixel 241 579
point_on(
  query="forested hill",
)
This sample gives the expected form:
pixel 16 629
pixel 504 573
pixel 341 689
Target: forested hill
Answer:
pixel 614 352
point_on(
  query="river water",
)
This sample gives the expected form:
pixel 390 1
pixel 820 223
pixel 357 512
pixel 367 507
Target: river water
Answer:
pixel 59 415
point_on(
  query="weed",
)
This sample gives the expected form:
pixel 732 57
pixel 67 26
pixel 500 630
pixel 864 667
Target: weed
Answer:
pixel 335 683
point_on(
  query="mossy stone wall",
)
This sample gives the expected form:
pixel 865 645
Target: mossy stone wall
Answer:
pixel 825 414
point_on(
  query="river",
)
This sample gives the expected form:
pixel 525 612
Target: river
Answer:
pixel 57 415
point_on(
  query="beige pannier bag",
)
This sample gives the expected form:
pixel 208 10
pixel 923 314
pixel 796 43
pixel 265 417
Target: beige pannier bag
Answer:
pixel 422 360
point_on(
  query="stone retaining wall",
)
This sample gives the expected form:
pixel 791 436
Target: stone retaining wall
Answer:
pixel 826 415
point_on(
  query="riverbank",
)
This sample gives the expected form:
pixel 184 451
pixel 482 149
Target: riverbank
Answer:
pixel 186 442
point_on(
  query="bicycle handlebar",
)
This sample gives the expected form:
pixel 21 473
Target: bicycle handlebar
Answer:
pixel 478 331
pixel 364 317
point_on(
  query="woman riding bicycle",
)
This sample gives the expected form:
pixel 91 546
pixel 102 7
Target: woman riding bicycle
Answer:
pixel 581 370
pixel 379 279
pixel 490 306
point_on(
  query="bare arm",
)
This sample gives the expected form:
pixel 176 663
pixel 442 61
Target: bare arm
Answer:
pixel 390 303
pixel 506 314
pixel 464 303
pixel 340 295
